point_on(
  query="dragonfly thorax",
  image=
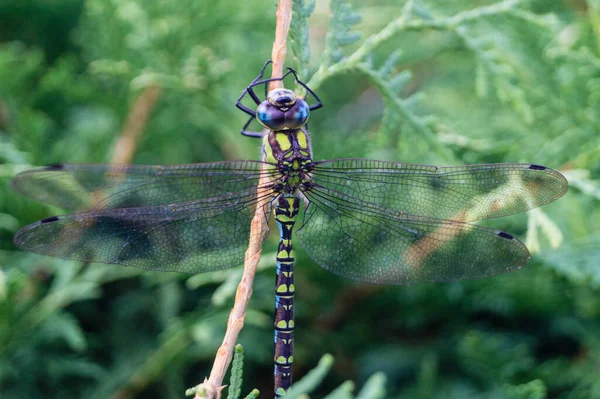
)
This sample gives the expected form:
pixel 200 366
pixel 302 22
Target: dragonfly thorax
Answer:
pixel 282 110
pixel 290 151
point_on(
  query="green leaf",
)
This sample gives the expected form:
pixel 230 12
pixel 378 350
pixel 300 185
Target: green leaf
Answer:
pixel 237 371
pixel 64 326
pixel 312 379
pixel 344 391
pixel 532 390
pixel 374 388
pixel 576 260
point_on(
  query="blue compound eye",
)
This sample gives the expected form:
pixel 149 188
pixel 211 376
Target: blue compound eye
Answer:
pixel 282 111
pixel 297 116
pixel 270 116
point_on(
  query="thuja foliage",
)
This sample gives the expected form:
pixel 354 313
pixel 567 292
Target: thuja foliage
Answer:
pixel 235 383
pixel 421 81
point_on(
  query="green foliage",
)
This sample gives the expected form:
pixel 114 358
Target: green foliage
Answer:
pixel 312 379
pixel 235 383
pixel 299 35
pixel 419 81
pixel 237 370
pixel 253 395
pixel 374 387
pixel 531 390
pixel 340 31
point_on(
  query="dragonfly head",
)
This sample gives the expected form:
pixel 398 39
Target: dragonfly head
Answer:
pixel 282 110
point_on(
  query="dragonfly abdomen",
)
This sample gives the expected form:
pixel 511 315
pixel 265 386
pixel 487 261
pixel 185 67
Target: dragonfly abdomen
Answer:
pixel 286 211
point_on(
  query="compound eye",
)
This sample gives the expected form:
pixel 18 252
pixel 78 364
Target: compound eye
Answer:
pixel 270 116
pixel 281 98
pixel 298 114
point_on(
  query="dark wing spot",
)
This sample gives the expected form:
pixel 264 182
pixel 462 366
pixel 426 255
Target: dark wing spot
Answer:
pixel 437 182
pixel 55 166
pixel 50 219
pixel 505 235
pixel 537 167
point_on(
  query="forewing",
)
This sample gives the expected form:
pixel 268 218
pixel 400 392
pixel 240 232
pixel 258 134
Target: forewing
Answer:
pixel 462 193
pixel 367 243
pixel 84 187
pixel 193 237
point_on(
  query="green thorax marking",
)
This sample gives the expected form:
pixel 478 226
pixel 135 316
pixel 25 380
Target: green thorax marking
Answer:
pixel 291 151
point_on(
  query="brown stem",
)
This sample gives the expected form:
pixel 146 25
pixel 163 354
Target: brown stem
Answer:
pixel 212 387
pixel 135 124
pixel 284 18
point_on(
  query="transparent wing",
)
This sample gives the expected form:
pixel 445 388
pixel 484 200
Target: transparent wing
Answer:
pixel 463 193
pixel 193 237
pixel 79 187
pixel 365 242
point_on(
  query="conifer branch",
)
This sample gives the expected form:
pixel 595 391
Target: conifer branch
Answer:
pixel 398 105
pixel 374 388
pixel 414 18
pixel 253 395
pixel 406 23
pixel 299 35
pixel 344 391
pixel 156 363
pixel 312 379
pixel 237 371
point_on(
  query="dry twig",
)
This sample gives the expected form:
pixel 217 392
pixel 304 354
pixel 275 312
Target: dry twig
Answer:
pixel 135 124
pixel 212 387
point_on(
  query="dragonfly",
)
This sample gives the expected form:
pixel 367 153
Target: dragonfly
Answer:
pixel 371 221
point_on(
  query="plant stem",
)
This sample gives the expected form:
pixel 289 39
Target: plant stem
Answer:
pixel 279 52
pixel 259 227
pixel 135 124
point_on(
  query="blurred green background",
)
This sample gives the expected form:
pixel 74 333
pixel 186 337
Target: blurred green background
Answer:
pixel 468 82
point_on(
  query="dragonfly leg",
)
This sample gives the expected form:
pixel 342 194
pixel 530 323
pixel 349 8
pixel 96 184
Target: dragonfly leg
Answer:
pixel 265 81
pixel 254 97
pixel 248 133
pixel 241 106
pixel 259 81
pixel 319 103
pixel 262 71
pixel 250 91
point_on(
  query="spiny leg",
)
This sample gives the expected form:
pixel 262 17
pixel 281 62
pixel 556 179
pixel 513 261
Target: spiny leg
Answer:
pixel 312 107
pixel 286 211
pixel 250 91
pixel 259 81
pixel 249 133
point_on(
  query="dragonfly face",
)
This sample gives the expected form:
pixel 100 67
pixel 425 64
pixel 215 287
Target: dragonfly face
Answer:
pixel 282 111
pixel 282 98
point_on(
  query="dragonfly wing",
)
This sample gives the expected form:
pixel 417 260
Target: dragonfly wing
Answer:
pixel 371 244
pixel 462 193
pixel 194 237
pixel 81 187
